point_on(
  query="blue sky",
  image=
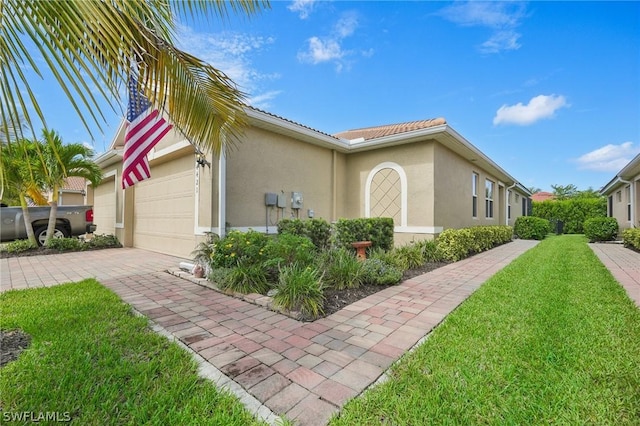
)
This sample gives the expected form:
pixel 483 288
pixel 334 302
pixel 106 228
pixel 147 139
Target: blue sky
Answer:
pixel 549 90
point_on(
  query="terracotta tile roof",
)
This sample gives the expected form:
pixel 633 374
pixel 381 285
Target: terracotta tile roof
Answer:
pixel 542 196
pixel 74 183
pixel 390 129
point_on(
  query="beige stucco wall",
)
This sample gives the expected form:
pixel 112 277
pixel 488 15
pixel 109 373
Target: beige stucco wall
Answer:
pixel 269 163
pixel 453 192
pixel 71 199
pixel 620 198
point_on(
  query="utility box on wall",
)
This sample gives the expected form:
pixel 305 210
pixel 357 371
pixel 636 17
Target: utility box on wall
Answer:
pixel 270 199
pixel 296 200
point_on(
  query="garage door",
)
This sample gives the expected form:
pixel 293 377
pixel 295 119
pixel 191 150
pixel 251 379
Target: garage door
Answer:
pixel 104 207
pixel 164 209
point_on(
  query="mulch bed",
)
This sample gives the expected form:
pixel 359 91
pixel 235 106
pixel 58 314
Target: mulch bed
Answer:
pixel 338 299
pixel 43 251
pixel 11 344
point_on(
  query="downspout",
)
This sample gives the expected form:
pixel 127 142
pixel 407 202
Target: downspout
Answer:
pixel 334 186
pixel 632 187
pixel 506 205
pixel 222 194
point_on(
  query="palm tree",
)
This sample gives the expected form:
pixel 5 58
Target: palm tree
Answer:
pixel 20 161
pixel 92 44
pixel 63 161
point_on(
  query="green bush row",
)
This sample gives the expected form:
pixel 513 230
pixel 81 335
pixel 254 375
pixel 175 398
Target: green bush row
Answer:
pixel 317 230
pixel 456 244
pixel 531 228
pixel 378 230
pixel 571 212
pixel 601 229
pixel 631 238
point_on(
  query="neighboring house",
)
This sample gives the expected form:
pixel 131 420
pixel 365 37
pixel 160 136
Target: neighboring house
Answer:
pixel 72 192
pixel 623 195
pixel 542 196
pixel 423 174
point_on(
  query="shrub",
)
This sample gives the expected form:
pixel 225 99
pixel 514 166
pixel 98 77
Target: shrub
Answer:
pixel 204 251
pixel 378 230
pixel 572 212
pixel 289 248
pixel 531 228
pixel 239 248
pixel 102 241
pixel 19 246
pixel 410 256
pixel 429 249
pixel 456 244
pixel 376 271
pixel 390 257
pixel 318 230
pixel 245 279
pixel 65 244
pixel 601 229
pixel 631 238
pixel 300 289
pixel 341 269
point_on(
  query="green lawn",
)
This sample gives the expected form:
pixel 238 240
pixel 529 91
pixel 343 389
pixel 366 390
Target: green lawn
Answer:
pixel 551 339
pixel 93 361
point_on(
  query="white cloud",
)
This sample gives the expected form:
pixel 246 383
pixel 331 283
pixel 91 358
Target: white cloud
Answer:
pixel 230 53
pixel 609 158
pixel 263 101
pixel 500 41
pixel 321 51
pixel 302 7
pixel 329 48
pixel 500 16
pixel 538 108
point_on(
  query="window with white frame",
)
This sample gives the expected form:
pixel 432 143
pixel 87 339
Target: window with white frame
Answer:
pixel 474 191
pixel 517 198
pixel 627 192
pixel 619 196
pixel 508 204
pixel 488 207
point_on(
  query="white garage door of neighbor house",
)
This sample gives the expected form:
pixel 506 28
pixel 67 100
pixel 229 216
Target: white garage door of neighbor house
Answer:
pixel 164 209
pixel 104 207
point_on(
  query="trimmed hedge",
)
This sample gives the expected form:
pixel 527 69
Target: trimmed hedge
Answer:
pixel 378 230
pixel 456 244
pixel 317 230
pixel 531 228
pixel 631 238
pixel 572 212
pixel 601 229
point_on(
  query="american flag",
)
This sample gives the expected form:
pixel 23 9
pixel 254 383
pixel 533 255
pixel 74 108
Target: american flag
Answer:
pixel 145 128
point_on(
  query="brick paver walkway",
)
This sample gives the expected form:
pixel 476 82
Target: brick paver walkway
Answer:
pixel 624 265
pixel 304 371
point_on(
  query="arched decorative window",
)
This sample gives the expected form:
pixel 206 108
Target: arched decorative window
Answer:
pixel 386 193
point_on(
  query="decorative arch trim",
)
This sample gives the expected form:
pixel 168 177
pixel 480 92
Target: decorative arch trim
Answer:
pixel 403 190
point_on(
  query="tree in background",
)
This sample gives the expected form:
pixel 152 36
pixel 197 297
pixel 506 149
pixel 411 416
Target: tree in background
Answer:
pixel 534 189
pixel 564 192
pixel 60 162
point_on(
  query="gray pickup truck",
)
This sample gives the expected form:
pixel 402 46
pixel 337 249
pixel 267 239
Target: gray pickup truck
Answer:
pixel 70 221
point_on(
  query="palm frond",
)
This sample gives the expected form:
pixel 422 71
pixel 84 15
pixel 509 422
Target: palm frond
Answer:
pixel 89 46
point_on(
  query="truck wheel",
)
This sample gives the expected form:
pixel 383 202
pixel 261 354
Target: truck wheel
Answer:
pixel 41 233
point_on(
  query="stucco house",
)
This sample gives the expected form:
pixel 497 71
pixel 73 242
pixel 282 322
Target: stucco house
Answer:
pixel 623 195
pixel 72 192
pixel 423 174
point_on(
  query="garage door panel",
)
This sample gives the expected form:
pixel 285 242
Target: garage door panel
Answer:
pixel 164 209
pixel 104 208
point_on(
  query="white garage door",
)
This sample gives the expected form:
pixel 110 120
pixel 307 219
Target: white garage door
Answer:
pixel 164 209
pixel 104 207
